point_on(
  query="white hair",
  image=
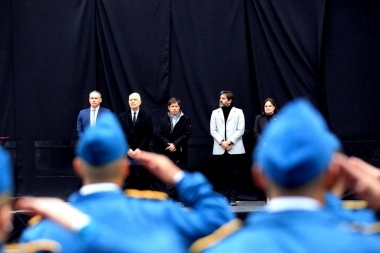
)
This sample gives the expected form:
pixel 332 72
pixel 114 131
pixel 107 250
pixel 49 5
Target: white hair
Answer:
pixel 135 93
pixel 95 91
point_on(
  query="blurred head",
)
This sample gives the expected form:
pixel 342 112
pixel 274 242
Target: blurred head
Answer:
pixel 101 153
pixel 226 98
pixel 134 101
pixel 174 106
pixel 269 107
pixel 95 98
pixel 296 150
pixel 6 188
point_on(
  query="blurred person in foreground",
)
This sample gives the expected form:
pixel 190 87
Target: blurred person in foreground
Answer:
pixel 6 188
pixel 146 220
pixel 6 226
pixel 364 180
pixel 294 162
pixel 350 210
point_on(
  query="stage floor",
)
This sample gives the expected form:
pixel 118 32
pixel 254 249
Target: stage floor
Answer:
pixel 243 208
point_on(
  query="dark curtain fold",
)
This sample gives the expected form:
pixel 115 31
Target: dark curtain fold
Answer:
pixel 133 53
pixel 286 39
pixel 352 64
pixel 7 114
pixel 54 65
pixel 208 55
pixel 54 69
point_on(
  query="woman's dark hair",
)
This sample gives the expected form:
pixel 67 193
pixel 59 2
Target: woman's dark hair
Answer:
pixel 272 102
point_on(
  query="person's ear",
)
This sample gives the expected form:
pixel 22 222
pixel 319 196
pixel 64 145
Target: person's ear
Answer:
pixel 333 174
pixel 125 168
pixel 77 165
pixel 6 225
pixel 258 177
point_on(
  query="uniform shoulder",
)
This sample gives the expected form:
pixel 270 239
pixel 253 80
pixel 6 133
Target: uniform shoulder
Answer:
pixel 41 245
pixel 219 234
pixel 34 220
pixel 354 204
pixel 146 194
pixel 365 228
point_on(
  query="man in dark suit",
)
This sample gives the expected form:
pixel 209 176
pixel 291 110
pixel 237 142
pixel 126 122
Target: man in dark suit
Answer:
pixel 174 132
pixel 138 128
pixel 87 117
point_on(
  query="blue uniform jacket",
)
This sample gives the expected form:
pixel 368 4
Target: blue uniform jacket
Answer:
pixel 141 225
pixel 296 232
pixel 335 205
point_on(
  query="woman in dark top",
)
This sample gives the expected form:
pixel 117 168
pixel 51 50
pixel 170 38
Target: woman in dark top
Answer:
pixel 267 114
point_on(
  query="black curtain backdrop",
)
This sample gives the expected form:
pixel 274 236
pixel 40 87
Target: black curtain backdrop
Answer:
pixel 7 112
pixel 54 53
pixel 133 53
pixel 54 69
pixel 286 39
pixel 352 64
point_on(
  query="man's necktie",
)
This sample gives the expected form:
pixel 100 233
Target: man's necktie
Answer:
pixel 134 119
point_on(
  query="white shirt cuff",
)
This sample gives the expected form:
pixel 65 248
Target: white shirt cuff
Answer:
pixel 80 221
pixel 178 177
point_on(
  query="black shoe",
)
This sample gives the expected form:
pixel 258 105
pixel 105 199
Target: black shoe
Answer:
pixel 233 202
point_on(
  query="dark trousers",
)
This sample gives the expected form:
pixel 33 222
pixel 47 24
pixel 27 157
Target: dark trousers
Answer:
pixel 227 181
pixel 139 178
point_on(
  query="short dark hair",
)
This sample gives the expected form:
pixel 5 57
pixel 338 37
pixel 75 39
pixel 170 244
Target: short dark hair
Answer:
pixel 272 102
pixel 174 100
pixel 229 94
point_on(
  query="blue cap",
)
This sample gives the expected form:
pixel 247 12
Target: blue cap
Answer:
pixel 103 143
pixel 6 178
pixel 297 147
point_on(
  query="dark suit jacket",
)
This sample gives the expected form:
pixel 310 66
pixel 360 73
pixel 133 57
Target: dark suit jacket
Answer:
pixel 138 136
pixel 261 122
pixel 179 137
pixel 83 120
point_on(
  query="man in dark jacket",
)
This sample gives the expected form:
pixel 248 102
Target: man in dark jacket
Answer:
pixel 175 130
pixel 138 128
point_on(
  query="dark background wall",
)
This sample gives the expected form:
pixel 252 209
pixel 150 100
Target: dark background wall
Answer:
pixel 53 53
